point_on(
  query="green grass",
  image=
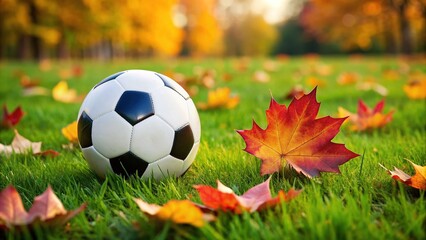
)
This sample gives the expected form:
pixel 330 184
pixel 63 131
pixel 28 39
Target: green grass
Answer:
pixel 362 202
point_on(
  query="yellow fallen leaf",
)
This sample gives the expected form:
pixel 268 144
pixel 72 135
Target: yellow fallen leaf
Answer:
pixel 416 89
pixel 220 98
pixel 70 132
pixel 177 211
pixel 62 93
pixel 314 81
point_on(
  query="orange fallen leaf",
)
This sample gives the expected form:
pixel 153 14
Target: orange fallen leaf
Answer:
pixel 177 211
pixel 416 89
pixel 70 132
pixel 367 118
pixel 47 210
pixel 11 119
pixel 27 82
pixel 255 199
pixel 62 93
pixel 347 78
pixel 220 98
pixel 294 136
pixel 417 181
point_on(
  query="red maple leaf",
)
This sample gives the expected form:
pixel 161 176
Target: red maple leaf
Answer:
pixel 255 199
pixel 367 118
pixel 296 137
pixel 11 119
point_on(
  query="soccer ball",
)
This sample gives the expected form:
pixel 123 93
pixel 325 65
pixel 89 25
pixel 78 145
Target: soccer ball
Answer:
pixel 139 122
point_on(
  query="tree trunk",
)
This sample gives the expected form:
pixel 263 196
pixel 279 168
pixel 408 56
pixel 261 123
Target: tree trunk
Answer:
pixel 24 51
pixel 404 28
pixel 35 40
pixel 62 49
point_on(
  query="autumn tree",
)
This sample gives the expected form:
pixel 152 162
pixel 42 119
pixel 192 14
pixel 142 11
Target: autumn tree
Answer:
pixel 246 32
pixel 396 24
pixel 203 32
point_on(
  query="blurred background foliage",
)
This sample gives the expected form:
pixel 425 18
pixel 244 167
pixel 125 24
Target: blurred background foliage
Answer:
pixel 105 29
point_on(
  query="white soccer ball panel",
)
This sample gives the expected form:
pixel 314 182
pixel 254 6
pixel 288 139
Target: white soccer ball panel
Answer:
pixel 102 99
pixel 167 166
pixel 171 107
pixel 97 163
pixel 152 139
pixel 111 135
pixel 175 86
pixel 194 120
pixel 140 80
pixel 191 157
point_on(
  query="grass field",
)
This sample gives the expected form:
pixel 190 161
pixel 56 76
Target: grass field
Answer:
pixel 363 202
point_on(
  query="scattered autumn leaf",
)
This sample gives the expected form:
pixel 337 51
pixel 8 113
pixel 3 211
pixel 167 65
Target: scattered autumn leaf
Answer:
pixel 367 118
pixel 207 78
pixel 227 77
pixel 177 211
pixel 190 84
pixel 417 181
pixel 315 82
pixel 283 57
pixel 48 153
pixel 30 87
pixel 294 136
pixel 416 89
pixel 45 65
pixel 255 199
pixel 390 74
pixel 27 82
pixel 347 78
pixel 77 71
pixel 242 64
pixel 270 65
pixel 35 91
pixel 261 76
pixel 322 69
pixel 371 84
pixel 70 132
pixel 295 92
pixel 21 145
pixel 11 119
pixel 220 98
pixel 62 93
pixel 47 210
